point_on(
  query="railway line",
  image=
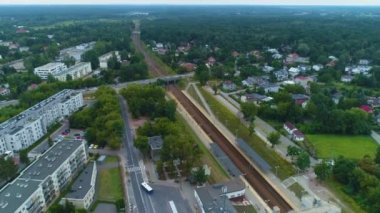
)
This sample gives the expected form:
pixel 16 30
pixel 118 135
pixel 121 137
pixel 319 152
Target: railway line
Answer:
pixel 254 178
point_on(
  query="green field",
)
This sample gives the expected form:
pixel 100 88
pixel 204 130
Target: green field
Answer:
pixel 111 159
pixel 330 146
pixel 110 187
pixel 233 123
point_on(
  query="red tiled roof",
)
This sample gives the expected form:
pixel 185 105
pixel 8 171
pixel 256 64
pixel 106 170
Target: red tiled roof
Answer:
pixel 366 108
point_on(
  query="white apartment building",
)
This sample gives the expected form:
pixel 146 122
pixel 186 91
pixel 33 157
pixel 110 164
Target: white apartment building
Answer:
pixel 103 60
pixel 40 183
pixel 77 71
pixel 29 126
pixel 49 69
pixel 76 52
pixel 82 192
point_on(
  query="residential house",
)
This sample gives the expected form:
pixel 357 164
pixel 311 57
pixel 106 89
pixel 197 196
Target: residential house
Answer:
pixel 304 81
pixel 366 108
pixel 18 65
pixel 76 52
pixel 277 56
pixel 211 61
pixel 255 98
pixel 155 144
pixel 374 102
pixel 273 51
pixel 336 97
pixel 281 75
pixel 295 58
pixel 53 68
pixel 304 68
pixel 346 78
pixel 270 87
pixel 189 67
pixel 23 49
pixel 294 71
pixel 4 91
pixel 235 54
pixel 255 81
pixel 229 86
pixel 364 62
pixel 294 133
pixel 317 67
pixel 268 69
pixel 300 99
pixel 77 71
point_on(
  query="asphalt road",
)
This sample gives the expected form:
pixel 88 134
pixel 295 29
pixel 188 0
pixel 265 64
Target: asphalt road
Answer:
pixel 140 200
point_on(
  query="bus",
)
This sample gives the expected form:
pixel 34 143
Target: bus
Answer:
pixel 146 187
pixel 172 207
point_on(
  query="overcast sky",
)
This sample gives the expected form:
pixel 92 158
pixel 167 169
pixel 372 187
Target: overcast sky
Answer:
pixel 261 2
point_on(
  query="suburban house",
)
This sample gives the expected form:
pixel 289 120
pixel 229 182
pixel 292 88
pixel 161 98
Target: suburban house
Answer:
pixel 277 56
pixel 294 71
pixel 300 99
pixel 155 144
pixel 229 86
pixel 211 61
pixel 255 98
pixel 18 65
pixel 336 97
pixel 295 134
pixel 317 67
pixel 216 198
pixel 295 58
pixel 366 108
pixel 281 75
pixel 374 102
pixel 304 81
pixel 304 68
pixel 270 87
pixel 4 91
pixel 268 69
pixel 255 80
pixel 346 78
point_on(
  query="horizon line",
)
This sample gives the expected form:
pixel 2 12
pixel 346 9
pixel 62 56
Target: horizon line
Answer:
pixel 189 4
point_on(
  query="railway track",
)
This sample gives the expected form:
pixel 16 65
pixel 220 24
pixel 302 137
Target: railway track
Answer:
pixel 254 178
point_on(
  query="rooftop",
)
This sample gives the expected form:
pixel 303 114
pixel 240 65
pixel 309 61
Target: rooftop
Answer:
pixel 13 195
pixel 70 69
pixel 16 123
pixel 51 160
pixel 50 65
pixel 83 183
pixel 155 142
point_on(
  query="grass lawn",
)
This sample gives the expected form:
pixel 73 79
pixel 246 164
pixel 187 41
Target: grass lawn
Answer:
pixel 110 185
pixel 218 174
pixel 329 146
pixel 245 209
pixel 234 124
pixel 111 159
pixel 191 91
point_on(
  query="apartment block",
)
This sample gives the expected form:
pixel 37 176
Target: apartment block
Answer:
pixel 41 183
pixel 49 69
pixel 103 60
pixel 77 71
pixel 29 126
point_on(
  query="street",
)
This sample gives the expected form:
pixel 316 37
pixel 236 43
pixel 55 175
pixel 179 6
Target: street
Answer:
pixel 139 200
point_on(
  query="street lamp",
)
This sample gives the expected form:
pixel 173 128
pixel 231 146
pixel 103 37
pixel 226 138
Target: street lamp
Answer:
pixel 276 167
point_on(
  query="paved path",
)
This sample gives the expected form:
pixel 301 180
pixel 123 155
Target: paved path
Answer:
pixel 375 136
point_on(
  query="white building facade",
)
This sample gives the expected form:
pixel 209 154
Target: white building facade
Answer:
pixel 49 69
pixel 29 126
pixel 39 184
pixel 77 71
pixel 103 60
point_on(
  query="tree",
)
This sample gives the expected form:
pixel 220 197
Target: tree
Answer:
pixel 377 157
pixel 251 128
pixel 68 207
pixel 274 138
pixel 141 143
pixel 50 141
pixel 293 151
pixel 342 168
pixel 303 161
pixel 24 156
pixel 69 77
pixel 249 111
pixel 215 88
pixel 199 175
pixel 8 169
pixel 322 170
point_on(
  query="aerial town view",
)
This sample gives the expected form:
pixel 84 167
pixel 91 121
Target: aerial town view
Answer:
pixel 168 106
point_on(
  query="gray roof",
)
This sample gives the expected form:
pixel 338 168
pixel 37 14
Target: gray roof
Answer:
pixel 16 123
pixel 70 69
pixel 155 142
pixel 253 155
pixel 13 195
pixel 213 199
pixel 82 184
pixel 225 160
pixel 41 148
pixel 51 160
